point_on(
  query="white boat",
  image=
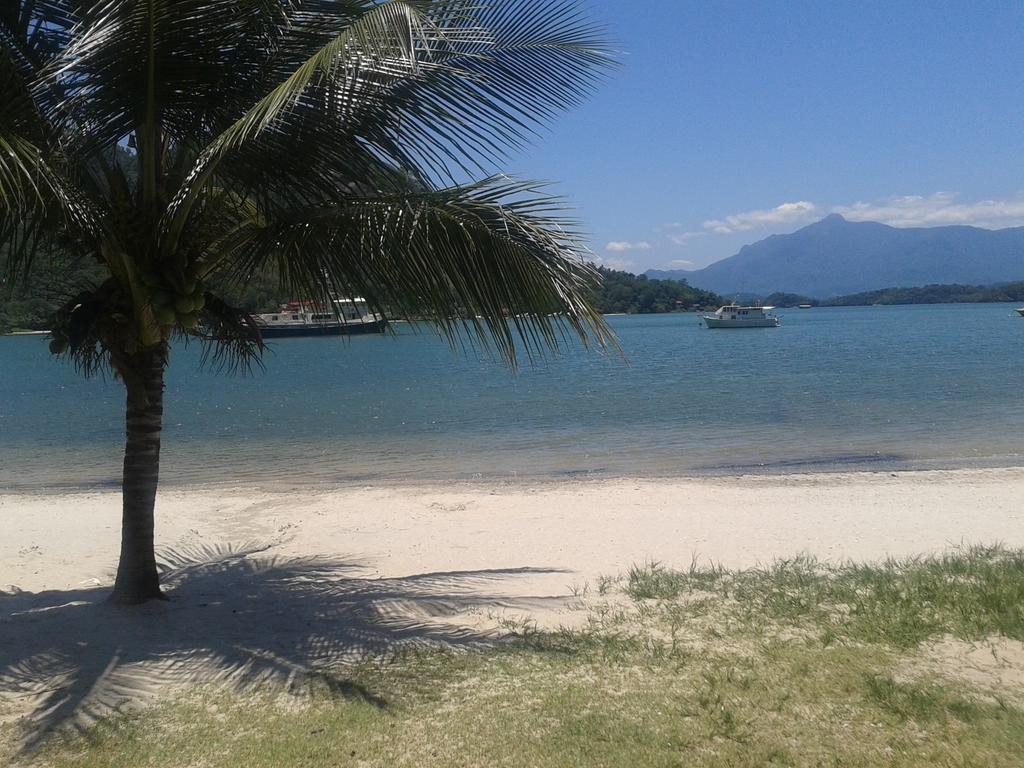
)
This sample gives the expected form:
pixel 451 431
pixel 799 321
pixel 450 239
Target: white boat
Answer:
pixel 734 316
pixel 298 318
pixel 1020 311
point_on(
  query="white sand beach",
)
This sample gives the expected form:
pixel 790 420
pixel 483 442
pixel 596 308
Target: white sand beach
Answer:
pixel 582 529
pixel 272 585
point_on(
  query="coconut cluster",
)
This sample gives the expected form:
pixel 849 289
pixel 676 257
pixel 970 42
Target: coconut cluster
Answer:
pixel 103 315
pixel 178 304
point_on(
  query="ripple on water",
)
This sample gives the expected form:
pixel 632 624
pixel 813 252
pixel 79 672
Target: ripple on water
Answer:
pixel 851 388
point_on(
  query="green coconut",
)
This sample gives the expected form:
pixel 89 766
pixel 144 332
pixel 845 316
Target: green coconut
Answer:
pixel 183 305
pixel 58 346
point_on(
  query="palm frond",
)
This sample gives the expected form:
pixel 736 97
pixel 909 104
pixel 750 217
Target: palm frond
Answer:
pixel 38 201
pixel 384 33
pixel 127 56
pixel 497 258
pixel 429 87
pixel 318 137
pixel 230 337
pixel 23 133
pixel 37 30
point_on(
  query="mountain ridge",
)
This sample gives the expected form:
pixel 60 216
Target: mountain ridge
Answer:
pixel 835 257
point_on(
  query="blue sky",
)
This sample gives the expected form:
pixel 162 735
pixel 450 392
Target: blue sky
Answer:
pixel 731 121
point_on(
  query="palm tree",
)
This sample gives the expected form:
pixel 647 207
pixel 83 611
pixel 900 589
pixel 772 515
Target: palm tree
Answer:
pixel 182 143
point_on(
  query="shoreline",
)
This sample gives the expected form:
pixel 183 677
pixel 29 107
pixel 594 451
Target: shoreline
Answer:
pixel 853 465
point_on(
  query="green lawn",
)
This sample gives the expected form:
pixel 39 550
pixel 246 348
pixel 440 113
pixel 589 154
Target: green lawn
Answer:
pixel 797 664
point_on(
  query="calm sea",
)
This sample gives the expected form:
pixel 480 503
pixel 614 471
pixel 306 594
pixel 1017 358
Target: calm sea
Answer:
pixel 847 388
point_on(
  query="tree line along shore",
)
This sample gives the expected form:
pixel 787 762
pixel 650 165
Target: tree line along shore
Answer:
pixel 32 305
pixel 927 294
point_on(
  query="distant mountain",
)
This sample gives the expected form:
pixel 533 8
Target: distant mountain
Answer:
pixel 835 257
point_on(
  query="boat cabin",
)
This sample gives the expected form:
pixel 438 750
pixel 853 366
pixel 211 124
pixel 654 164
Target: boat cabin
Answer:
pixel 736 312
pixel 308 312
pixel 735 316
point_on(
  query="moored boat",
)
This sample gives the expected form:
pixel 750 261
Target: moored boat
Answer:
pixel 734 316
pixel 349 317
pixel 1020 311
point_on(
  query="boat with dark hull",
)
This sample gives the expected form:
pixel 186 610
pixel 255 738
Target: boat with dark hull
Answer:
pixel 350 317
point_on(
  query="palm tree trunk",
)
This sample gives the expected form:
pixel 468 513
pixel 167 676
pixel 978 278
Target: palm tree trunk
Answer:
pixel 143 374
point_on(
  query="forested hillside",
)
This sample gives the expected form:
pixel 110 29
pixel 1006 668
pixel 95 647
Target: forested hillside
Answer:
pixel 638 294
pixel 29 305
pixel 933 294
pixel 928 294
pixel 51 283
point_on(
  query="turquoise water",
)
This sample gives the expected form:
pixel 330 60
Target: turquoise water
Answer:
pixel 870 387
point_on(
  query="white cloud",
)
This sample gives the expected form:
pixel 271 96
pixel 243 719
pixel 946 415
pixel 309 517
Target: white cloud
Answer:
pixel 619 246
pixel 684 238
pixel 940 209
pixel 787 213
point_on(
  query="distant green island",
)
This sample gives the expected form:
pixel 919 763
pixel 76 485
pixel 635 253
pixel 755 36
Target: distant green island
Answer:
pixel 619 293
pixel 928 294
pixel 625 293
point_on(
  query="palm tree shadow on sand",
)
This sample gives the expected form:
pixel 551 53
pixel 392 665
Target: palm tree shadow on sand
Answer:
pixel 236 616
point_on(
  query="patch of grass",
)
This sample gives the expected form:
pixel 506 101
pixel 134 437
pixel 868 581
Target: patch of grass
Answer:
pixel 654 581
pixel 704 667
pixel 605 584
pixel 785 704
pixel 970 593
pixel 913 701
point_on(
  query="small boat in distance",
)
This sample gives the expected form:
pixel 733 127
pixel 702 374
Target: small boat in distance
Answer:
pixel 804 306
pixel 734 316
pixel 1020 311
pixel 302 318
